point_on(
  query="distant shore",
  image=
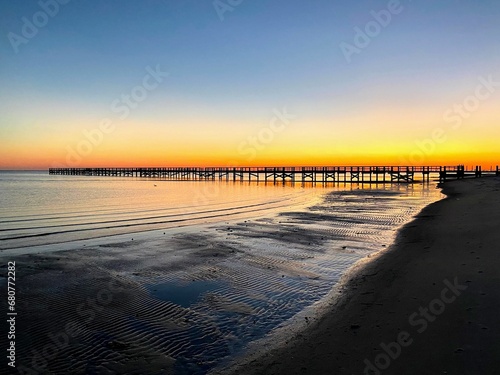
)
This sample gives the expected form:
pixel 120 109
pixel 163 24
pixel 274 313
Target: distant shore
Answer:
pixel 428 305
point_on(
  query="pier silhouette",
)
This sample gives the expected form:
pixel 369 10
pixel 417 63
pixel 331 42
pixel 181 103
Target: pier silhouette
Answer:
pixel 350 174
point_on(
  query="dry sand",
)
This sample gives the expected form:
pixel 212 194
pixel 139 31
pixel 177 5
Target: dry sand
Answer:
pixel 432 300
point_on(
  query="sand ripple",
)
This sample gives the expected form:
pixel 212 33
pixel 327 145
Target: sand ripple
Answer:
pixel 190 301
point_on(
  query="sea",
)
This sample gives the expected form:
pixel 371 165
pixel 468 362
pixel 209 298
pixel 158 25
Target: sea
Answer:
pixel 204 269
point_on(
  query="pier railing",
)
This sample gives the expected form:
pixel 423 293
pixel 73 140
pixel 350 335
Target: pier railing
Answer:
pixel 324 174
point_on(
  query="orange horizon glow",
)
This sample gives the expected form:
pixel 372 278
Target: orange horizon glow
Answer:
pixel 385 135
pixel 470 165
pixel 343 145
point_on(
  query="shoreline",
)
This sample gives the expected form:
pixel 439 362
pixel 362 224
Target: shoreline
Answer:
pixel 380 320
pixel 229 283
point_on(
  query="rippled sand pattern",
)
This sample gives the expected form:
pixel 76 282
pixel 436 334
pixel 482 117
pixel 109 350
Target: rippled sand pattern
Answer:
pixel 187 302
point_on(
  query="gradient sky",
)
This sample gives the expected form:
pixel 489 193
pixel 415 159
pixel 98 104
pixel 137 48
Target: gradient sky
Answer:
pixel 414 95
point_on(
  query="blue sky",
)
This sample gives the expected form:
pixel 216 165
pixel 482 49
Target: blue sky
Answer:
pixel 264 54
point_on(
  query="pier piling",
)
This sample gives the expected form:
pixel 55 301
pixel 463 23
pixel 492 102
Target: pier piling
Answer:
pixel 314 175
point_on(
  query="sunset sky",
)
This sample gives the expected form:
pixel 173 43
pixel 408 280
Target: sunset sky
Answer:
pixel 252 82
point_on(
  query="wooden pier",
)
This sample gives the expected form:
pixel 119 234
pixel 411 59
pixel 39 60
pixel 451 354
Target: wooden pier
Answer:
pixel 369 175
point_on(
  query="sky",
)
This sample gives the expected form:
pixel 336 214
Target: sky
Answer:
pixel 249 83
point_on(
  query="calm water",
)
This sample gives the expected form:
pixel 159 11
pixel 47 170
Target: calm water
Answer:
pixel 247 259
pixel 37 208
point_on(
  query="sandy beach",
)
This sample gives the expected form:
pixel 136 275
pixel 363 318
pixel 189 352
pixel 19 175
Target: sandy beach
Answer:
pixel 186 300
pixel 428 305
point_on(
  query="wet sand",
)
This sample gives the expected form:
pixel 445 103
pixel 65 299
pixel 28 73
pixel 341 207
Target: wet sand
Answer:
pixel 428 305
pixel 186 300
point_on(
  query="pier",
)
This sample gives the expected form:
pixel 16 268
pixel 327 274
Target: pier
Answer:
pixel 364 174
